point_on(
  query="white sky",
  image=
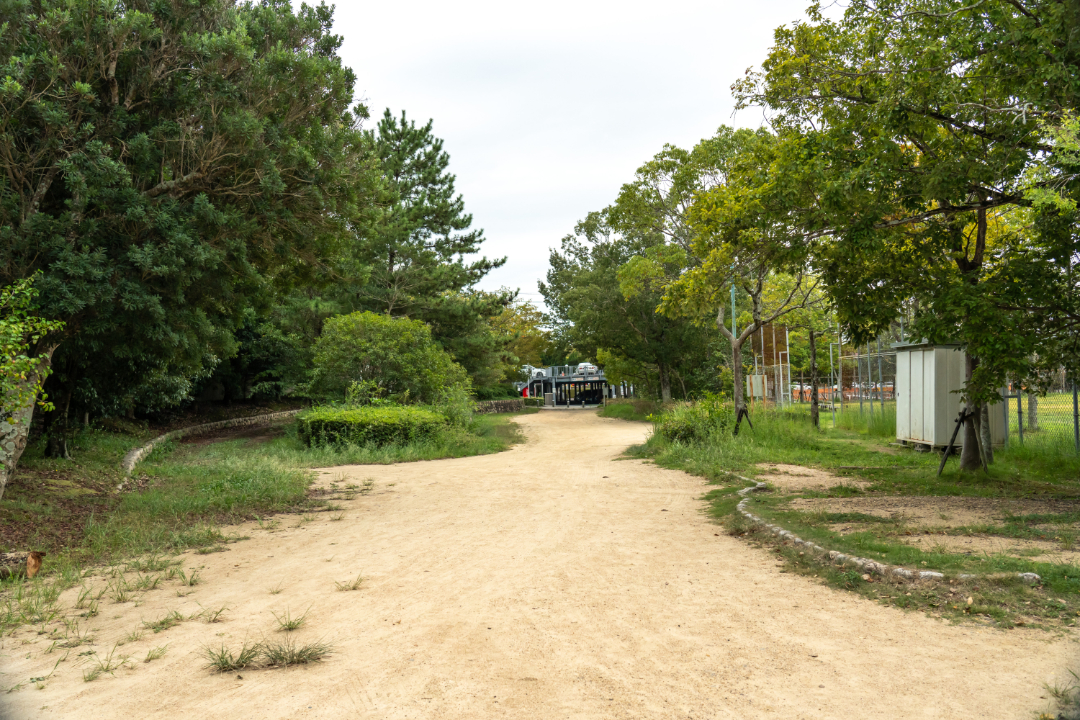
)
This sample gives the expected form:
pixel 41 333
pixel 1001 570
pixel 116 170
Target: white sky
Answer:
pixel 547 109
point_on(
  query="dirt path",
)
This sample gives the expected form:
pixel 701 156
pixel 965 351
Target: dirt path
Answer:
pixel 551 581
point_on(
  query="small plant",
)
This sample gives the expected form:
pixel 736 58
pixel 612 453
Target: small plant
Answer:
pixel 121 591
pixel 155 653
pixel 350 585
pixel 147 582
pixel 288 623
pixel 91 609
pixel 211 549
pixel 188 580
pixel 269 525
pixel 151 563
pixel 287 652
pixel 172 619
pixel 223 660
pixel 276 590
pixel 337 516
pixel 211 616
pixel 109 664
pixel 133 636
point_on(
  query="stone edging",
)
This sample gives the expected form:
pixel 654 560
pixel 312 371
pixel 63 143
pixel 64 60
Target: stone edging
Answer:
pixel 867 566
pixel 136 456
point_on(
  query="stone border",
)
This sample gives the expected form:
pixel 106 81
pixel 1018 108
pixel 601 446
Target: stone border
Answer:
pixel 867 566
pixel 136 456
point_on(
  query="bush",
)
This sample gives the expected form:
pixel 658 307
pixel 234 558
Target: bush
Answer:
pixel 398 355
pixel 376 426
pixel 697 422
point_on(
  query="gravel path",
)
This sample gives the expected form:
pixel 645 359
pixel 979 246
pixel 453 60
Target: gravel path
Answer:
pixel 550 581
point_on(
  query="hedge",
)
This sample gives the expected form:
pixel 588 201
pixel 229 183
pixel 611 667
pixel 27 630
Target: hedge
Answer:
pixel 689 423
pixel 367 425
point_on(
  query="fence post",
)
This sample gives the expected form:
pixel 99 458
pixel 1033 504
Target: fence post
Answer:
pixel 1076 420
pixel 881 380
pixel 1020 413
pixel 1005 407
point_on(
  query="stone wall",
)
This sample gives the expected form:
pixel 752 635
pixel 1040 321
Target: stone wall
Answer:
pixel 136 456
pixel 500 406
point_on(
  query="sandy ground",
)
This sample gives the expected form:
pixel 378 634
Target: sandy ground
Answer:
pixel 1034 550
pixel 796 477
pixel 551 581
pixel 944 512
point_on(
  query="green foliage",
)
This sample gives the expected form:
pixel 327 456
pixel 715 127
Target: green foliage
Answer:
pixel 696 422
pixel 941 138
pixel 166 167
pixel 21 376
pixel 398 355
pixel 375 426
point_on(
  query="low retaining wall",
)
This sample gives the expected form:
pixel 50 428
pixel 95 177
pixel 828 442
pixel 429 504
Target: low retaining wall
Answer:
pixel 488 407
pixel 867 566
pixel 136 456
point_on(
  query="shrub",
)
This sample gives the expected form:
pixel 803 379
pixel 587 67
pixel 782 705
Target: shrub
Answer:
pixel 696 422
pixel 398 355
pixel 368 425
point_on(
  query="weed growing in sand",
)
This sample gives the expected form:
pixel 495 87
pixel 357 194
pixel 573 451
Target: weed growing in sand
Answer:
pixel 108 664
pixel 222 660
pixel 150 563
pixel 337 516
pixel 350 585
pixel 276 590
pixel 155 653
pixel 210 616
pixel 119 589
pixel 287 652
pixel 188 580
pixel 133 636
pixel 172 619
pixel 288 623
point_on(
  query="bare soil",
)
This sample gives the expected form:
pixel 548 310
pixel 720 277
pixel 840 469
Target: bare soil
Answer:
pixel 794 478
pixel 554 580
pixel 1034 550
pixel 943 512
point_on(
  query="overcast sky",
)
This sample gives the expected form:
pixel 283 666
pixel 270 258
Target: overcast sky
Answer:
pixel 547 109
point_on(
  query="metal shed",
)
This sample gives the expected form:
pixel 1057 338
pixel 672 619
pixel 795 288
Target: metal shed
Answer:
pixel 929 379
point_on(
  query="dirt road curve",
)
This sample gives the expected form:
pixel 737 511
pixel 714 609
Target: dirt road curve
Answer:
pixel 551 581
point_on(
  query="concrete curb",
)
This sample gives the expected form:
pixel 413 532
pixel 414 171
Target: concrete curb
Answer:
pixel 838 558
pixel 137 455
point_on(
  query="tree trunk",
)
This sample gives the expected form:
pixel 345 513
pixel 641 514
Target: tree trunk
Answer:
pixel 1033 412
pixel 815 416
pixel 57 427
pixel 738 390
pixel 984 434
pixel 970 459
pixel 665 383
pixel 15 427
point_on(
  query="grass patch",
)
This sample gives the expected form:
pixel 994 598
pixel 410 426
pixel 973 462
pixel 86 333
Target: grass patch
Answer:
pixel 638 410
pixel 862 452
pixel 181 498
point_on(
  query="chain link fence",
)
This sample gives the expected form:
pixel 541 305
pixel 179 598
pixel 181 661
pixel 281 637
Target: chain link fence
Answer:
pixel 862 381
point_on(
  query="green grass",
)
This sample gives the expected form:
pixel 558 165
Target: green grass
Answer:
pixel 638 410
pixel 183 497
pixel 860 450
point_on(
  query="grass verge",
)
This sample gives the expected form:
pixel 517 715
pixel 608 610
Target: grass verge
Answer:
pixel 872 473
pixel 185 494
pixel 627 409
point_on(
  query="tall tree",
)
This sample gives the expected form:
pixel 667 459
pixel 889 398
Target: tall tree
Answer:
pixel 166 166
pixel 583 294
pixel 417 255
pixel 729 231
pixel 920 118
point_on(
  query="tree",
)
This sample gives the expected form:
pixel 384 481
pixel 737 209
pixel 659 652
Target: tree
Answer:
pixel 522 324
pixel 397 356
pixel 165 167
pixel 414 256
pixel 921 117
pixel 730 231
pixel 21 376
pixel 583 295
